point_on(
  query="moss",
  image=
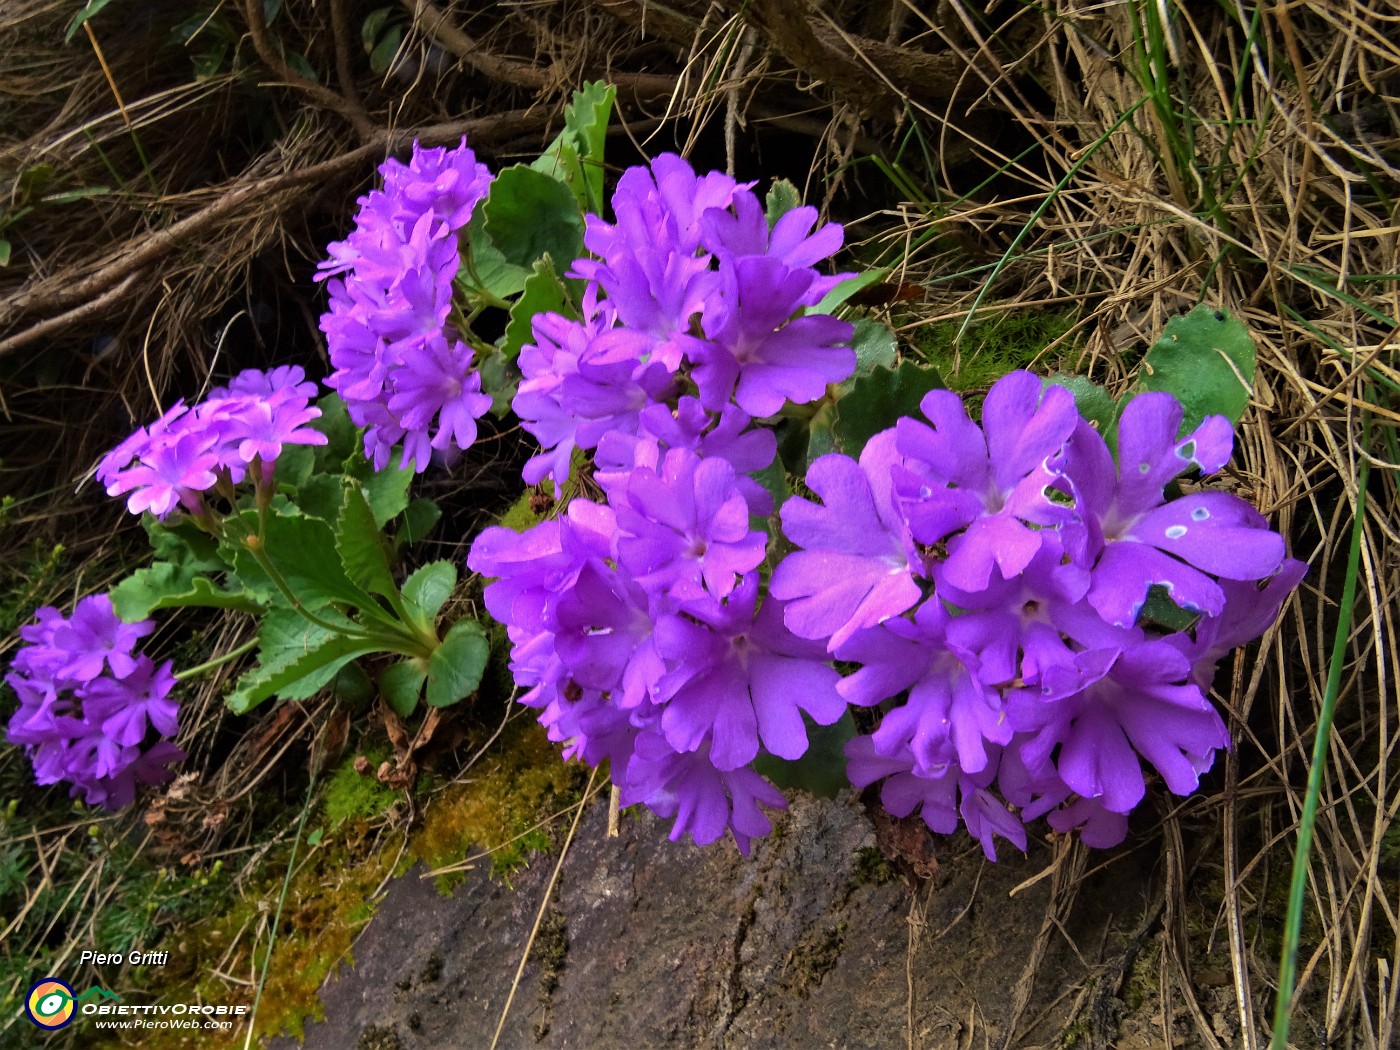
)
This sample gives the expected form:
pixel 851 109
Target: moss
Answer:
pixel 522 514
pixel 990 348
pixel 499 808
pixel 351 795
pixel 872 869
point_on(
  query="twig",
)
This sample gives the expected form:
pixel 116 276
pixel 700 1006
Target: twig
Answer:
pixel 135 256
pixel 544 905
pixel 439 25
pixel 344 71
pixel 273 58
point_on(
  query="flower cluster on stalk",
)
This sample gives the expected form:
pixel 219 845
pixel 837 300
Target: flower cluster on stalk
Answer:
pixel 236 433
pixel 988 583
pixel 398 363
pixel 636 621
pixel 89 701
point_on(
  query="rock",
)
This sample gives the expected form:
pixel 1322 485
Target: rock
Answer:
pixel 649 943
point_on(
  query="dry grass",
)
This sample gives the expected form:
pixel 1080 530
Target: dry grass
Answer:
pixel 1087 157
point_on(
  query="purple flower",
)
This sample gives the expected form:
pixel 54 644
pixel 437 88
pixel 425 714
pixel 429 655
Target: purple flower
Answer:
pixel 987 492
pixel 704 800
pixel 1134 540
pixel 583 380
pixel 685 527
pixel 188 451
pixel 741 679
pixel 755 350
pixel 1112 705
pixel 857 566
pixel 941 795
pixel 87 701
pixel 1249 611
pixel 954 710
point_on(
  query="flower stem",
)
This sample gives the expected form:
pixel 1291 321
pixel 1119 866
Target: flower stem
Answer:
pixel 218 661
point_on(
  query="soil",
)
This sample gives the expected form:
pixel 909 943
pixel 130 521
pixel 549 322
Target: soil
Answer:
pixel 825 937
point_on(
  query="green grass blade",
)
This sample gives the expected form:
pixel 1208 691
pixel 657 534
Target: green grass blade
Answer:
pixel 1297 889
pixel 1042 208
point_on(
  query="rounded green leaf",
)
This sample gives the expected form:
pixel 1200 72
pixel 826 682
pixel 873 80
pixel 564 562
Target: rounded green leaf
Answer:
pixel 456 666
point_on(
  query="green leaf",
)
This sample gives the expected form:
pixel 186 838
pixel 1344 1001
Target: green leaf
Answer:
pixel 303 550
pixel 298 62
pixel 295 659
pixel 874 345
pixel 486 272
pixel 501 379
pixel 418 520
pixel 877 400
pixel 342 436
pixel 4 252
pixel 69 196
pixel 782 198
pixel 575 157
pixel 848 288
pixel 1092 400
pixel 180 577
pixel 456 666
pixel 529 215
pixel 352 685
pixel 401 684
pixel 822 770
pixel 384 53
pixel 1206 361
pixel 371 26
pixel 386 490
pixel 295 465
pixel 321 495
pixel 821 433
pixel 430 586
pixel 544 292
pixel 1159 609
pixel 93 7
pixel 774 481
pixel 164 585
pixel 361 544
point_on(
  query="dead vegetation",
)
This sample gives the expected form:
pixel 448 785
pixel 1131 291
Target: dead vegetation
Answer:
pixel 169 185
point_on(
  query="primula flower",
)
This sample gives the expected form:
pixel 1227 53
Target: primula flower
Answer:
pixel 756 351
pixel 941 794
pixel 398 364
pixel 188 451
pixel 993 486
pixel 857 566
pixel 88 701
pixel 1133 539
pixel 685 529
pixel 742 678
pixel 704 800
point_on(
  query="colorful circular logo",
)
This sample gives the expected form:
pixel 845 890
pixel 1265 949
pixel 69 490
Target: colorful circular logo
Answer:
pixel 50 1003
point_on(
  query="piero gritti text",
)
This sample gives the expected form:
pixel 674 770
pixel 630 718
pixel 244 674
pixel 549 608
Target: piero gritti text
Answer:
pixel 134 957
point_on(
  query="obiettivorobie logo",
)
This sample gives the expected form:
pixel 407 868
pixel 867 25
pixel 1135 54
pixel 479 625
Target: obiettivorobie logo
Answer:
pixel 51 1003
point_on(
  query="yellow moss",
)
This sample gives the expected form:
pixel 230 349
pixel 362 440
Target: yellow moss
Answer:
pixel 508 794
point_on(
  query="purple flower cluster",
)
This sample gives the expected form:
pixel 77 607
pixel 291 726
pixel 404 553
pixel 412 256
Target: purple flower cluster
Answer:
pixel 636 623
pixel 637 628
pixel 237 431
pixel 987 582
pixel 689 292
pixel 400 367
pixel 88 701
